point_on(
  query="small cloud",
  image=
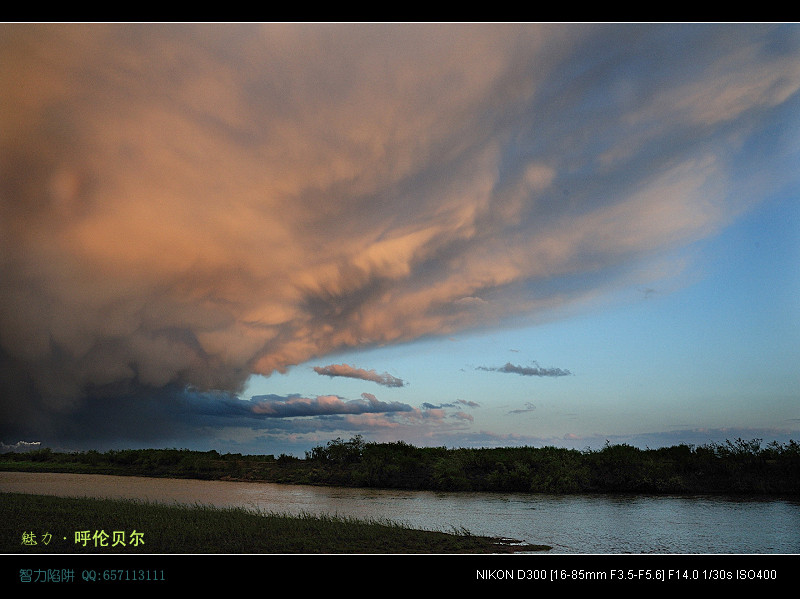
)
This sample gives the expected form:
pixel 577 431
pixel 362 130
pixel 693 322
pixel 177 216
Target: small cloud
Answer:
pixel 534 370
pixel 455 404
pixel 529 407
pixel 469 404
pixel 347 371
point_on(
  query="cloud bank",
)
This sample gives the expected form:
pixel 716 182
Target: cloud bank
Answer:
pixel 182 206
pixel 347 371
pixel 280 407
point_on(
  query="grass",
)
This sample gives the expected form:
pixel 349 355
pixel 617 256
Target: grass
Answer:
pixel 170 529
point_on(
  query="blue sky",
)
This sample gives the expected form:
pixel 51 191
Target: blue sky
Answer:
pixel 259 237
pixel 711 356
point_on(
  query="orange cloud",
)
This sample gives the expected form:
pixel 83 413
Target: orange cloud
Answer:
pixel 192 204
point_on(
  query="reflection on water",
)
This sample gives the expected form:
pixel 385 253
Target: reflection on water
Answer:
pixel 570 524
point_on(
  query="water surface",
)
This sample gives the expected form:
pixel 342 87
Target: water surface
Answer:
pixel 587 524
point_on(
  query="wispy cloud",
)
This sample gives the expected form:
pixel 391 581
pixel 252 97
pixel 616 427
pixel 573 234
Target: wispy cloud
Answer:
pixel 347 371
pixel 534 370
pixel 459 403
pixel 529 407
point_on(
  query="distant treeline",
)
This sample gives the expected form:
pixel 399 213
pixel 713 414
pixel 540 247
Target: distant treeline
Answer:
pixel 733 467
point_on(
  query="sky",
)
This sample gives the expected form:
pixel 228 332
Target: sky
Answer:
pixel 260 237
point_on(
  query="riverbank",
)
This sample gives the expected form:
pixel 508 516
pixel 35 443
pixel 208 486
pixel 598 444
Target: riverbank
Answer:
pixel 33 524
pixel 734 468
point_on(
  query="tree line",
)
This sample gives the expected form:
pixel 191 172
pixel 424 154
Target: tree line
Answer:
pixel 732 467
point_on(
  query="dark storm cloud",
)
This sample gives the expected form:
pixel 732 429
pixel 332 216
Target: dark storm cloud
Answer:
pixel 185 205
pixel 178 416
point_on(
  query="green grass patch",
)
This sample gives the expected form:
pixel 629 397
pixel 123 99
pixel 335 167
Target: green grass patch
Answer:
pixel 45 524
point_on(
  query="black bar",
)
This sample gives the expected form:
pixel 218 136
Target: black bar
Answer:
pixel 399 572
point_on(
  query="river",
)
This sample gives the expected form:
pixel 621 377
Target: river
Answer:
pixel 571 524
